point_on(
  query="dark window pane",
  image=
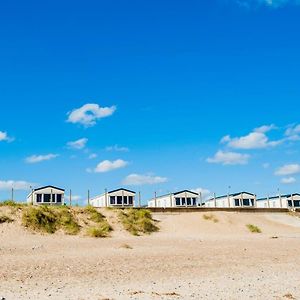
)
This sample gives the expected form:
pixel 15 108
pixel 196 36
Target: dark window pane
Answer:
pixel 236 202
pixel 47 197
pixel 112 200
pixel 246 202
pixel 59 198
pixel 194 201
pixel 296 203
pixel 119 200
pixel 39 198
pixel 177 201
pixel 125 199
pixel 131 200
pixel 183 201
pixel 188 201
pixel 289 203
pixel 53 198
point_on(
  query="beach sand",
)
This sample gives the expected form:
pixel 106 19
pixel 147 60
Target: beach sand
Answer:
pixel 189 258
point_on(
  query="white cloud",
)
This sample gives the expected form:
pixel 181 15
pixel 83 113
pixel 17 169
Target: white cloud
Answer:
pixel 74 197
pixel 288 180
pixel 88 114
pixel 117 148
pixel 39 158
pixel 265 165
pixel 293 133
pixel 257 139
pixel 269 3
pixel 79 144
pixel 288 170
pixel 204 192
pixel 93 155
pixel 4 137
pixel 137 179
pixel 17 185
pixel 229 158
pixel 107 165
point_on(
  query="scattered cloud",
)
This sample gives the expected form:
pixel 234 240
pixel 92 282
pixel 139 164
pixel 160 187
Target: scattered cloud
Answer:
pixel 107 165
pixel 89 114
pixel 17 185
pixel 229 158
pixel 266 165
pixel 92 156
pixel 268 3
pixel 117 148
pixel 288 169
pixel 39 158
pixel 138 179
pixel 293 132
pixel 4 137
pixel 257 139
pixel 74 197
pixel 288 180
pixel 204 192
pixel 79 144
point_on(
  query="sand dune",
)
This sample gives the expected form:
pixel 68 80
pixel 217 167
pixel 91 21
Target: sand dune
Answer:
pixel 189 258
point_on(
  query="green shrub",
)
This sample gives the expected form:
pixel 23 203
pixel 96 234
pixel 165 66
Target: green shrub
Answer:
pixel 253 228
pixel 12 203
pixel 5 219
pixel 138 221
pixel 67 221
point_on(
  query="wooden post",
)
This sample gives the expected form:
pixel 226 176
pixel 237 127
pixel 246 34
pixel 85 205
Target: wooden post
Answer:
pixel 139 199
pixel 292 199
pixel 200 198
pixel 242 199
pixel 268 199
pixel 12 194
pixel 280 200
pixel 155 204
pixel 122 198
pixel 105 197
pixel 228 200
pixel 171 201
pixel 255 201
pixel 88 197
pixel 51 197
pixel 70 198
pixel 31 195
pixel 185 199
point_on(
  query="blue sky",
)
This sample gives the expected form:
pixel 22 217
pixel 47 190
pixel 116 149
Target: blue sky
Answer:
pixel 150 95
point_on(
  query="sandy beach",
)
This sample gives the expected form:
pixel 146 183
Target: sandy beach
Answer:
pixel 189 258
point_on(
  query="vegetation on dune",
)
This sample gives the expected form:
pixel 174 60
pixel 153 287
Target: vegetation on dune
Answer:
pixel 5 219
pixel 252 228
pixel 138 221
pixel 12 203
pixel 101 227
pixel 210 217
pixel 50 219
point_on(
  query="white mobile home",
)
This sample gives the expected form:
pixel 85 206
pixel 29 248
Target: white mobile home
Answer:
pixel 116 198
pixel 179 199
pixel 49 194
pixel 242 199
pixel 280 201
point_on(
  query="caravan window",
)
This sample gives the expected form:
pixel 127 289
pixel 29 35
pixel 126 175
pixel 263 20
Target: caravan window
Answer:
pixel 236 202
pixel 177 201
pixel 194 201
pixel 112 199
pixel 38 197
pixel 58 198
pixel 125 199
pixel 189 201
pixel 183 201
pixel 130 200
pixel 119 200
pixel 47 197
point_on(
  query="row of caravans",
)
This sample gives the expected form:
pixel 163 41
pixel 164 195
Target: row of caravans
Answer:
pixel 127 198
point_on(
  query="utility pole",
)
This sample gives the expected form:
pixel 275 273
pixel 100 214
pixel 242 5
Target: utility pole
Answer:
pixel 70 198
pixel 139 199
pixel 155 204
pixel 12 194
pixel 88 197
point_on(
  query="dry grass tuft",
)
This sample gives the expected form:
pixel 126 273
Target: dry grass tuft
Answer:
pixel 5 219
pixel 101 227
pixel 126 246
pixel 50 219
pixel 137 221
pixel 254 229
pixel 210 217
pixel 289 296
